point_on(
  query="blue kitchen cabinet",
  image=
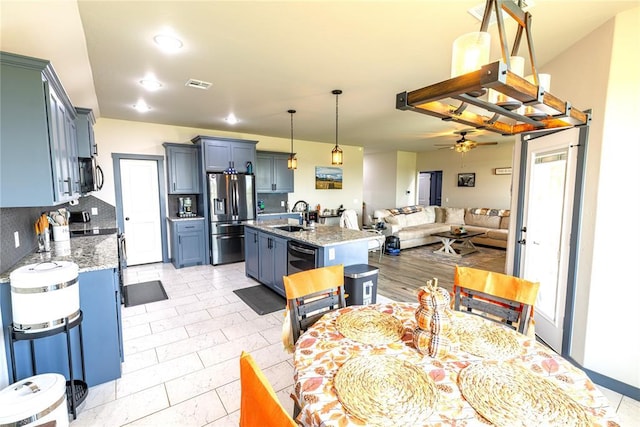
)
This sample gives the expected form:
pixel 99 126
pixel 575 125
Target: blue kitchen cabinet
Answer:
pixel 222 153
pixel 272 173
pixel 183 175
pixel 188 243
pixel 251 253
pixel 85 120
pixel 272 261
pixel 38 158
pixel 101 333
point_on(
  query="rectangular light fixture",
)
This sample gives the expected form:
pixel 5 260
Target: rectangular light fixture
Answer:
pixel 462 98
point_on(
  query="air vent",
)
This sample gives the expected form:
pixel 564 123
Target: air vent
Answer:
pixel 478 11
pixel 198 84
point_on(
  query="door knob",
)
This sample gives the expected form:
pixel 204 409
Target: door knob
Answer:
pixel 522 241
pixel 126 219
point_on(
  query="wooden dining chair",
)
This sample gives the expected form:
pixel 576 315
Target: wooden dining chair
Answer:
pixel 259 405
pixel 499 297
pixel 313 293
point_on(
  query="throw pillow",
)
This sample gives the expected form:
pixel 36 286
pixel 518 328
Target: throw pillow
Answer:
pixel 399 220
pixel 417 218
pixel 439 214
pixel 454 216
pixel 430 213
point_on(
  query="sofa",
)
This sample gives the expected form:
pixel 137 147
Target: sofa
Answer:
pixel 415 225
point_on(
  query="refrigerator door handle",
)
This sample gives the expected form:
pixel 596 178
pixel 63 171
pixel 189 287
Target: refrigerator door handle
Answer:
pixel 234 198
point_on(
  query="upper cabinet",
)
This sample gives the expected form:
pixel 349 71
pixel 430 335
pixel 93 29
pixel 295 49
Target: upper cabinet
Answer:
pixel 85 120
pixel 38 152
pixel 183 164
pixel 222 153
pixel 272 174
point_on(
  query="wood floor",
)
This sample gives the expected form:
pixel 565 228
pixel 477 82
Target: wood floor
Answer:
pixel 400 277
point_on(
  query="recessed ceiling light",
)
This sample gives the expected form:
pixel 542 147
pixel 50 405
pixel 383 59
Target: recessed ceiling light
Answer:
pixel 141 106
pixel 150 84
pixel 232 119
pixel 167 42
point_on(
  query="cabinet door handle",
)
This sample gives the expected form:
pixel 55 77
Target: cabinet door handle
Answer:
pixel 95 149
pixel 174 186
pixel 189 226
pixel 179 240
pixel 70 191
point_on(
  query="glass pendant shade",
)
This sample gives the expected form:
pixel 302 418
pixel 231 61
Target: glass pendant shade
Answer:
pixel 292 162
pixel 470 52
pixel 336 155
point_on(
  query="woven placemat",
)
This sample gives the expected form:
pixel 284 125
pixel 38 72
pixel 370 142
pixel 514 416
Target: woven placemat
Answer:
pixel 385 391
pixel 506 394
pixel 369 326
pixel 486 339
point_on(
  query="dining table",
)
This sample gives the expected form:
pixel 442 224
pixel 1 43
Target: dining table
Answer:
pixel 358 365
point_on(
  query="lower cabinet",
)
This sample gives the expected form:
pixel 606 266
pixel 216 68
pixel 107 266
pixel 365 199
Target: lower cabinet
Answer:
pixel 266 258
pixel 188 243
pixel 251 253
pixel 101 334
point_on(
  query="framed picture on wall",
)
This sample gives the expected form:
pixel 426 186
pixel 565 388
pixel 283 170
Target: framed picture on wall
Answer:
pixel 328 178
pixel 466 180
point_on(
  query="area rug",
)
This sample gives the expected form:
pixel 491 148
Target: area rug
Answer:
pixel 486 258
pixel 261 299
pixel 144 293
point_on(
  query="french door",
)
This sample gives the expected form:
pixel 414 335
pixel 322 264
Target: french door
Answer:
pixel 545 232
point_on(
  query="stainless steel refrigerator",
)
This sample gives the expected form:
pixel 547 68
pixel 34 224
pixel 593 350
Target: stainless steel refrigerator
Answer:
pixel 231 201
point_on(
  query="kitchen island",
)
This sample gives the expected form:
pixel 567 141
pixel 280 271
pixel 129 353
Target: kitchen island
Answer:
pixel 97 260
pixel 267 247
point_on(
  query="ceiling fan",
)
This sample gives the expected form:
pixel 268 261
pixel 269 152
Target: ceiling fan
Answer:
pixel 464 145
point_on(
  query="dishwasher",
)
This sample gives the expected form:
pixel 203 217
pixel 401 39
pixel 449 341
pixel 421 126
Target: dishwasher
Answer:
pixel 300 257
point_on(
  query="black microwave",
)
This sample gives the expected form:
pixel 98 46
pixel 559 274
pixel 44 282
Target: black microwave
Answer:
pixel 91 176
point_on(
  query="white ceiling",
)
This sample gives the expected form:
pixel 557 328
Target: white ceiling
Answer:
pixel 265 57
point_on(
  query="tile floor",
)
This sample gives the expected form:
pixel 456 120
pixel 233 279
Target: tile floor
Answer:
pixel 181 355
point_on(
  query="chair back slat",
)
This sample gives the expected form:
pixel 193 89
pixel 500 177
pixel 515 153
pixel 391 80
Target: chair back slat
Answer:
pixel 502 298
pixel 313 293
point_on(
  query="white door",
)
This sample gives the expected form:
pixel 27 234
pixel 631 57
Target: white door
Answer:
pixel 547 214
pixel 141 210
pixel 424 188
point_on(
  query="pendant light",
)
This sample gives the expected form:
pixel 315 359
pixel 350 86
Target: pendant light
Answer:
pixel 292 162
pixel 336 153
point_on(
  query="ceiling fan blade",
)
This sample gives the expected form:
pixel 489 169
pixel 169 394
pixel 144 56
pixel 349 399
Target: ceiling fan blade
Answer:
pixel 444 145
pixel 486 143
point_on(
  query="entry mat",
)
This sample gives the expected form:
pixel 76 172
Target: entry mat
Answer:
pixel 144 293
pixel 261 299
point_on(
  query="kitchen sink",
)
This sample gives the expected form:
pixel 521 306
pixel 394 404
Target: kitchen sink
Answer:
pixel 289 228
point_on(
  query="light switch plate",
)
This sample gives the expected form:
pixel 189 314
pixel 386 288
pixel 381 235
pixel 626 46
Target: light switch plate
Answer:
pixel 332 253
pixel 94 211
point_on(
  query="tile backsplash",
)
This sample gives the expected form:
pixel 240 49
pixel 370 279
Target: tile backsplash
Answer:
pixel 22 220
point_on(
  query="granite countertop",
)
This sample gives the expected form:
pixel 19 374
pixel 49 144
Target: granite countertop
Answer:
pixel 320 235
pixel 92 253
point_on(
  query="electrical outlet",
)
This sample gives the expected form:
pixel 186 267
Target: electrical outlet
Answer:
pixel 94 211
pixel 332 254
pixel 282 203
pixel 16 238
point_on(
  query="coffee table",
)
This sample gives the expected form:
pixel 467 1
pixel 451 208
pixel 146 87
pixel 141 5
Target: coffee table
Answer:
pixel 448 239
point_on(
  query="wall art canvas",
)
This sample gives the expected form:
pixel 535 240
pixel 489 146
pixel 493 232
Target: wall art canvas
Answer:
pixel 328 178
pixel 466 180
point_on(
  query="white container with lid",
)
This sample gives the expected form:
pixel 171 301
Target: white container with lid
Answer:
pixel 44 295
pixel 34 401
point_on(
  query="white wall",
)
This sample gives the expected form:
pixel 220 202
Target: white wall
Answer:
pixel 380 180
pixel 605 338
pixel 406 179
pixel 491 191
pixel 120 136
